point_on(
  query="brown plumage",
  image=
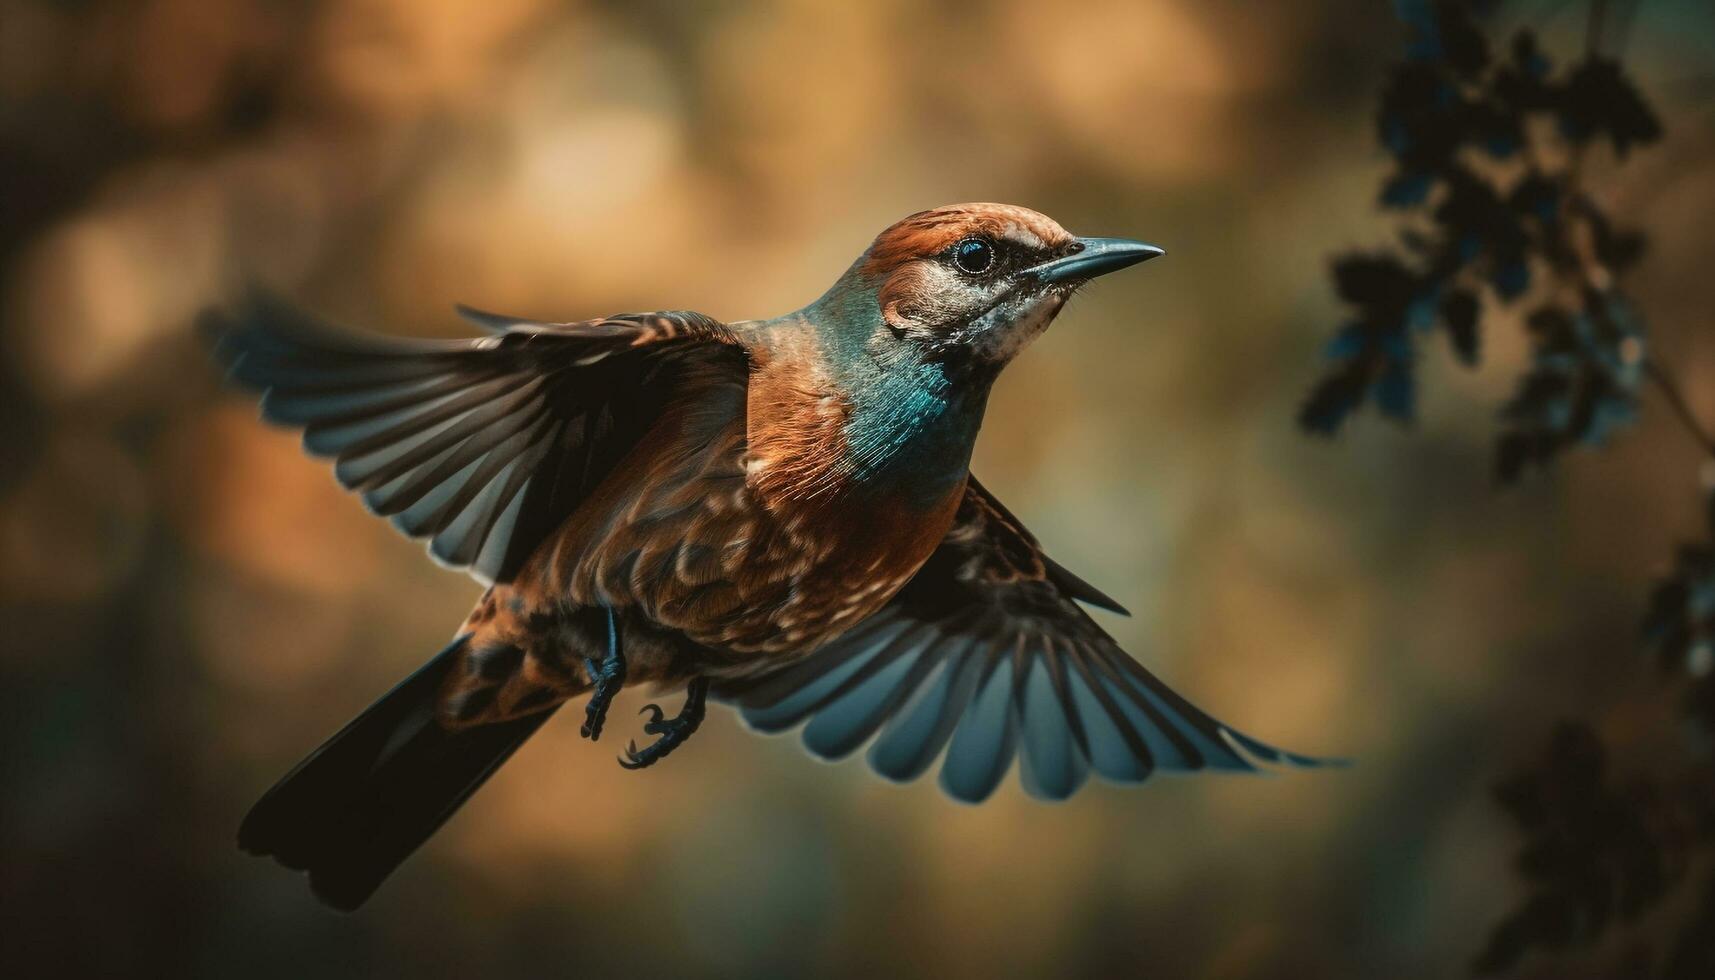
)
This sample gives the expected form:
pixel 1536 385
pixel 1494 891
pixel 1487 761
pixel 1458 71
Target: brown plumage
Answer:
pixel 780 510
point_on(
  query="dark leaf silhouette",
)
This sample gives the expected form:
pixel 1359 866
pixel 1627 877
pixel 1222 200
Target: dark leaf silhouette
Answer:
pixel 1600 101
pixel 1618 249
pixel 1582 385
pixel 1680 625
pixel 1595 853
pixel 1332 400
pixel 1537 197
pixel 1406 190
pixel 1459 312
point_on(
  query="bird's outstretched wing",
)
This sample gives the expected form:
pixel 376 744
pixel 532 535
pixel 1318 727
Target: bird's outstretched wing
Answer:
pixel 986 652
pixel 483 446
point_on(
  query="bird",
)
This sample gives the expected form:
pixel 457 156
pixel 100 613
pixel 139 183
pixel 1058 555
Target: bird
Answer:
pixel 778 514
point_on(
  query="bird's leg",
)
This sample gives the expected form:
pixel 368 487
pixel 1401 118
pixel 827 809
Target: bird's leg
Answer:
pixel 607 676
pixel 673 731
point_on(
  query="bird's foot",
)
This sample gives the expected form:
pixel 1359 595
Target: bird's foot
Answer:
pixel 673 731
pixel 607 676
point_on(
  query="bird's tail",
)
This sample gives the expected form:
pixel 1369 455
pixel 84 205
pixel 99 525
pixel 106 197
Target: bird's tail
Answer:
pixel 359 805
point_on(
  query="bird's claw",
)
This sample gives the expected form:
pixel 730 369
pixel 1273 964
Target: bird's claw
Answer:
pixel 591 728
pixel 637 760
pixel 672 731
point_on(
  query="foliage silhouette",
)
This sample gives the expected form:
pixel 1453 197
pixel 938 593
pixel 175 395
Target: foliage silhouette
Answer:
pixel 1489 155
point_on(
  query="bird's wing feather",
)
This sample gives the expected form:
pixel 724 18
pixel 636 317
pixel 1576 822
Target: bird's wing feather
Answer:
pixel 482 446
pixel 985 653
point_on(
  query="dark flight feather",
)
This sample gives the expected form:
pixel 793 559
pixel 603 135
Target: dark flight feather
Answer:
pixel 449 438
pixel 985 654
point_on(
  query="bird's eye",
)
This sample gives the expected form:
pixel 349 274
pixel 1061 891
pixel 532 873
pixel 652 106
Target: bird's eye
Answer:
pixel 973 255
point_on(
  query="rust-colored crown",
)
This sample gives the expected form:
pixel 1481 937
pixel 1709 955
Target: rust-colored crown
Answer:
pixel 928 233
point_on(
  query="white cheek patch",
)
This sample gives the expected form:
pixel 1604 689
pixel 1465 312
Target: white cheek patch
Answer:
pixel 935 295
pixel 938 280
pixel 1003 339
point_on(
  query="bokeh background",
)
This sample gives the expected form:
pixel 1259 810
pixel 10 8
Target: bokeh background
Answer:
pixel 190 605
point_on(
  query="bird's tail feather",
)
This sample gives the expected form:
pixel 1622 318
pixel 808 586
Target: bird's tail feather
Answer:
pixel 353 810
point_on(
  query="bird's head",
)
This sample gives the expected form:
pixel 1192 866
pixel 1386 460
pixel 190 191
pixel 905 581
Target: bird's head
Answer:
pixel 977 281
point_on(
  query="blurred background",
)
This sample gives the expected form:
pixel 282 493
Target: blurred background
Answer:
pixel 191 604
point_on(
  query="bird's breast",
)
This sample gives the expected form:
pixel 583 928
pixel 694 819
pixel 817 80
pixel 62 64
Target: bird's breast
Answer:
pixel 737 536
pixel 898 434
pixel 826 566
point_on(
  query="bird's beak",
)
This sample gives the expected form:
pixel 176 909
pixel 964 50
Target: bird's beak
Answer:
pixel 1096 257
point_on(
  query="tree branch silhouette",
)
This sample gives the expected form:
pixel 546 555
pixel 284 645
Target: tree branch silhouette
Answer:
pixel 1670 391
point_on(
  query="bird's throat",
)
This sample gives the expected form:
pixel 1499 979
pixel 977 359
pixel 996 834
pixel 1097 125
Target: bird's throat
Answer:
pixel 911 431
pixel 893 429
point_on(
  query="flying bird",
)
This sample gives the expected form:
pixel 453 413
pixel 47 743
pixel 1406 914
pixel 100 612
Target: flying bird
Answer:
pixel 777 513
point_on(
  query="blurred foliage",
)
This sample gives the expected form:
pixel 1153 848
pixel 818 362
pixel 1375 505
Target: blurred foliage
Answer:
pixel 1489 171
pixel 1488 150
pixel 1601 856
pixel 1680 626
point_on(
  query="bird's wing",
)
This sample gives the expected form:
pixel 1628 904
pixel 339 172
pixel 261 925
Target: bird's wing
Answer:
pixel 483 446
pixel 986 652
